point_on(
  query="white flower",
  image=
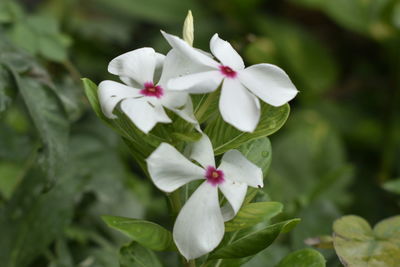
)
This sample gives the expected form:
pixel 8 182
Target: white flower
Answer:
pixel 142 98
pixel 238 104
pixel 199 227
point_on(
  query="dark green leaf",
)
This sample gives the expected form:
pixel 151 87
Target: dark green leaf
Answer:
pixel 252 214
pixel 253 242
pixel 148 234
pixel 5 84
pixel 303 258
pixel 134 255
pixel 50 120
pixel 225 137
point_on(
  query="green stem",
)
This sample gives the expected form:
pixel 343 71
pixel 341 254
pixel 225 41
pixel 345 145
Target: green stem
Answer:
pixel 191 263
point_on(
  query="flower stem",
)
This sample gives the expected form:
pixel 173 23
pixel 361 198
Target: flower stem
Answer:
pixel 191 263
pixel 175 202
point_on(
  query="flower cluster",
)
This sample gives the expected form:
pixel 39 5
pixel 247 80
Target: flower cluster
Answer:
pixel 152 83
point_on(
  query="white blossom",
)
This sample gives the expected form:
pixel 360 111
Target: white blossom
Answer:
pixel 241 87
pixel 199 227
pixel 142 97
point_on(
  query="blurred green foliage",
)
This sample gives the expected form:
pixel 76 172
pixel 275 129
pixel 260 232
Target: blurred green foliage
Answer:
pixel 61 169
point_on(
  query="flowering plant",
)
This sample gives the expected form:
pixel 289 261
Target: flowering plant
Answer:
pixel 177 114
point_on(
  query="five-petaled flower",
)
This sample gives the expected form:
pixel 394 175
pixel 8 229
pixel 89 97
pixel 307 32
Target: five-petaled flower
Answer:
pixel 142 100
pixel 199 227
pixel 238 104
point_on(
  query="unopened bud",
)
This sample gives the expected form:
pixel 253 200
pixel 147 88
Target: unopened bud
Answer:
pixel 188 29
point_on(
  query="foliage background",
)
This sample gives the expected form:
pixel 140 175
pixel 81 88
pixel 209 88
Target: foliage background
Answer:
pixel 61 168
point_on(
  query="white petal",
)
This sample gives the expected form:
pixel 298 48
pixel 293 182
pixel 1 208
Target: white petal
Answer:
pixel 189 51
pixel 199 227
pixel 138 64
pixel 111 93
pixel 228 56
pixel 169 169
pixel 186 112
pixel 235 193
pixel 160 58
pixel 143 114
pixel 202 152
pixel 238 106
pixel 268 82
pixel 176 64
pixel 198 83
pixel 239 169
pixel 173 99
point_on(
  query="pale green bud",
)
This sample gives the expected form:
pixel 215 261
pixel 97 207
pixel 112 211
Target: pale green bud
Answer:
pixel 188 29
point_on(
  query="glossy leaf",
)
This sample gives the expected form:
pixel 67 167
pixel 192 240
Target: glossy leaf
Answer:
pixel 357 244
pixel 253 242
pixel 303 258
pixel 225 137
pixel 252 214
pixel 148 234
pixel 134 255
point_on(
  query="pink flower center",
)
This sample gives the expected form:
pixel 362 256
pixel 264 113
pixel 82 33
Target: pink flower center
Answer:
pixel 214 176
pixel 227 71
pixel 152 90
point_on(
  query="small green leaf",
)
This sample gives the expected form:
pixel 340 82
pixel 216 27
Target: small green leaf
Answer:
pixel 358 245
pixel 148 234
pixel 225 137
pixel 303 258
pixel 253 242
pixel 393 186
pixel 134 255
pixel 252 214
pixel 91 94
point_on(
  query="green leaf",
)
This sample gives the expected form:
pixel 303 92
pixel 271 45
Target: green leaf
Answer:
pixel 148 234
pixel 91 94
pixel 10 174
pixel 134 255
pixel 252 214
pixel 392 186
pixel 5 84
pixel 303 258
pixel 259 152
pixel 253 242
pixel 358 245
pixel 49 118
pixel 52 47
pixel 225 137
pixel 25 37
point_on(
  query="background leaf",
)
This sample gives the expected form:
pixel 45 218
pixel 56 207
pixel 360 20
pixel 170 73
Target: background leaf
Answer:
pixel 358 245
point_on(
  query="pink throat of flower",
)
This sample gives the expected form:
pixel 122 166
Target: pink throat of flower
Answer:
pixel 152 90
pixel 214 176
pixel 227 71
